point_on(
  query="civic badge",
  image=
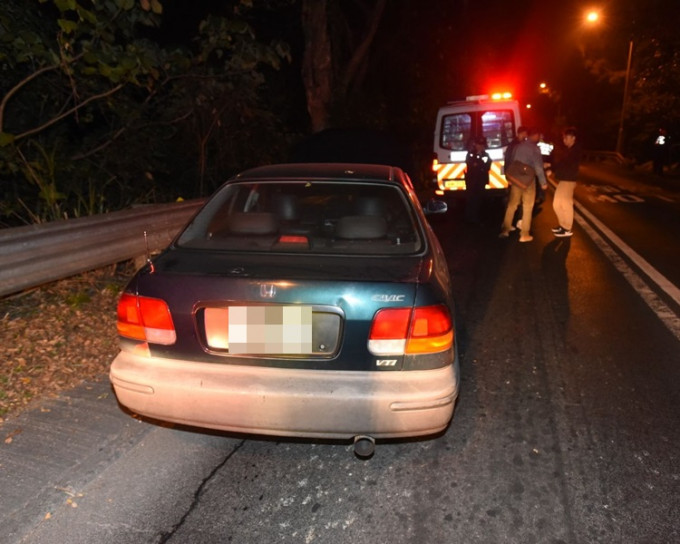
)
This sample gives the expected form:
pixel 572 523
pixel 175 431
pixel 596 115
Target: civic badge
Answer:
pixel 267 290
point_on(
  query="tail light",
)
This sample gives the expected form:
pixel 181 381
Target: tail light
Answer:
pixel 402 331
pixel 144 318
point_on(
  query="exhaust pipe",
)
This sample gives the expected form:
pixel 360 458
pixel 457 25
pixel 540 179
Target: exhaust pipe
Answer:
pixel 364 446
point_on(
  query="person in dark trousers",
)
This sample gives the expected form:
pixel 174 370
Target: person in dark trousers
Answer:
pixel 522 133
pixel 478 165
pixel 564 170
pixel 546 152
pixel 661 147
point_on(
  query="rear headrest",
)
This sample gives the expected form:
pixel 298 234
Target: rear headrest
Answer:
pixel 369 205
pixel 361 227
pixel 286 207
pixel 252 223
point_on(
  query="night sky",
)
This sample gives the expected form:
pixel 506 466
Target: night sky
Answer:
pixel 473 46
pixel 445 50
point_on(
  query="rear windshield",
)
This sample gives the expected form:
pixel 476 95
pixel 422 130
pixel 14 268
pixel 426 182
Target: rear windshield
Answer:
pixel 459 129
pixel 307 217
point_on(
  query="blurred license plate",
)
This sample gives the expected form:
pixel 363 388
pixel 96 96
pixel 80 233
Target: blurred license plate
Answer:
pixel 454 185
pixel 270 329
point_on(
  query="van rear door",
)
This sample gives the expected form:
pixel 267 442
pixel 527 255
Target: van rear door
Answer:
pixel 458 124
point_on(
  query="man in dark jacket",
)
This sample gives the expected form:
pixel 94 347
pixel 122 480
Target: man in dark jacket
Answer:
pixel 478 165
pixel 565 169
pixel 661 147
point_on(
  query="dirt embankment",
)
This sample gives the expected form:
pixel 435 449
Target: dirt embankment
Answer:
pixel 55 336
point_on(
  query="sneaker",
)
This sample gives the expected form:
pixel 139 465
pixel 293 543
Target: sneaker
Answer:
pixel 503 235
pixel 526 238
pixel 562 233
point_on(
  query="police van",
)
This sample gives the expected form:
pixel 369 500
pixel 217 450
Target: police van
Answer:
pixel 494 117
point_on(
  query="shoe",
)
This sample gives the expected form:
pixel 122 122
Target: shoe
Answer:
pixel 526 238
pixel 519 225
pixel 556 229
pixel 503 235
pixel 562 233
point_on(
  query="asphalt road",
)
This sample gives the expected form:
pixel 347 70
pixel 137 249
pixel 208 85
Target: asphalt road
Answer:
pixel 566 430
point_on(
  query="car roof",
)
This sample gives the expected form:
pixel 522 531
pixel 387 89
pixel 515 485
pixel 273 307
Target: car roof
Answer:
pixel 329 171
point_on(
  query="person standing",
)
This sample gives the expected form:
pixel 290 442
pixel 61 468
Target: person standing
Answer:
pixel 508 158
pixel 565 170
pixel 510 150
pixel 661 147
pixel 478 165
pixel 526 152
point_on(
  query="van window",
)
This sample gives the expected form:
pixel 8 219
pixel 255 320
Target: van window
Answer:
pixel 498 128
pixel 456 131
pixel 459 129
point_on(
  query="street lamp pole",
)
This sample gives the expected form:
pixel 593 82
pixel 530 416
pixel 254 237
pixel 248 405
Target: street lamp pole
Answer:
pixel 619 139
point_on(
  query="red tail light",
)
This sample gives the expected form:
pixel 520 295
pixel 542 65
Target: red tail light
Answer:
pixel 399 331
pixel 147 319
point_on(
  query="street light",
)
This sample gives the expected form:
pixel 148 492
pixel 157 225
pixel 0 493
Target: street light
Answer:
pixel 592 17
pixel 619 139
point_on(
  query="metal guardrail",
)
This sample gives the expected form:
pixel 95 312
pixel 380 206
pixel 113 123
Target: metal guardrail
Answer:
pixel 37 254
pixel 602 156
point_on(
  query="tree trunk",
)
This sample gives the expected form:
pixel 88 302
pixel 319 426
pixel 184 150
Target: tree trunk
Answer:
pixel 317 65
pixel 354 72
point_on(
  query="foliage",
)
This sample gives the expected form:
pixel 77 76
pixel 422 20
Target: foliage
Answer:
pixel 100 107
pixel 654 101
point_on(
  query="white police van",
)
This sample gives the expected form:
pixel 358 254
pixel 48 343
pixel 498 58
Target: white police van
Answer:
pixel 495 117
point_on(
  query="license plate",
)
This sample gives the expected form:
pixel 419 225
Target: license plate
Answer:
pixel 275 330
pixel 454 185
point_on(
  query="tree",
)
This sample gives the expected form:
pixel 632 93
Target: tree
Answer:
pixel 99 108
pixel 63 62
pixel 338 37
pixel 653 100
pixel 95 53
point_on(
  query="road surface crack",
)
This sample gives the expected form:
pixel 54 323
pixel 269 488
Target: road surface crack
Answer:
pixel 167 535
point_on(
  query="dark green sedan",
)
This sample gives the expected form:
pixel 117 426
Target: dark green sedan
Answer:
pixel 307 300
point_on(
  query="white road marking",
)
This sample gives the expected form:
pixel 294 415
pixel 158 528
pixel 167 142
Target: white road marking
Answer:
pixel 667 316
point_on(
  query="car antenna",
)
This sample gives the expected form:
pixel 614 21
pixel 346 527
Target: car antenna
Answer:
pixel 148 253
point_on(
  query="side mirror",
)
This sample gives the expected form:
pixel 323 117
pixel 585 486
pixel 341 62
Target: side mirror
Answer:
pixel 434 206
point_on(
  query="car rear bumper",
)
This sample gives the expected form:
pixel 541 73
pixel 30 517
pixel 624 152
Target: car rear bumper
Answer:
pixel 288 402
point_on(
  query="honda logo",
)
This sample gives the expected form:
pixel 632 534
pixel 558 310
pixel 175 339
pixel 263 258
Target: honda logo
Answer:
pixel 267 290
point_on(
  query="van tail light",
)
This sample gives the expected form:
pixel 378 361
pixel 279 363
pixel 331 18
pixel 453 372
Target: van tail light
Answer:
pixel 146 319
pixel 410 331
